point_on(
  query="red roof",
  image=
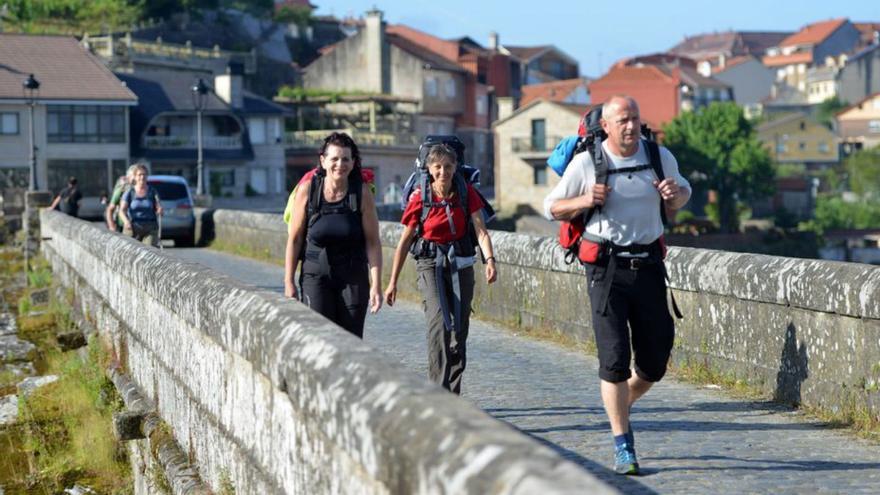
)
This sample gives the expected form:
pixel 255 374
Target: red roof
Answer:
pixel 65 70
pixel 794 58
pixel 814 33
pixel 731 63
pixel 556 91
pixel 445 48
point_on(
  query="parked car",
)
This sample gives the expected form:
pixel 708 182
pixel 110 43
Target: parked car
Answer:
pixel 178 221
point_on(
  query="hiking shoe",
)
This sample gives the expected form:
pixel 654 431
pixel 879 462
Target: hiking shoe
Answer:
pixel 625 461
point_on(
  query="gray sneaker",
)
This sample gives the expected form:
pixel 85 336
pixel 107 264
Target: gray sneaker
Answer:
pixel 625 461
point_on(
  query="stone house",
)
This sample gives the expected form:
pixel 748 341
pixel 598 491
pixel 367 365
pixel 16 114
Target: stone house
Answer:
pixel 242 133
pixel 524 139
pixel 815 45
pixel 749 79
pixel 81 116
pixel 663 84
pixel 859 124
pixel 860 77
pixel 797 138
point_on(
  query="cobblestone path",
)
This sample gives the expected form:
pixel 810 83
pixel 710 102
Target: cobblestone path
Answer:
pixel 689 439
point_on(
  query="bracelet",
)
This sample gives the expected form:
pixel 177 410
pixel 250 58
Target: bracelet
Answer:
pixel 490 258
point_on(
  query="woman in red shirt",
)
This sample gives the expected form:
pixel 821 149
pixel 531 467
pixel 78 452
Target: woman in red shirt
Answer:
pixel 444 257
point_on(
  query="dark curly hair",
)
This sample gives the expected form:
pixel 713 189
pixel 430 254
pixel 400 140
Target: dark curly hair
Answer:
pixel 342 140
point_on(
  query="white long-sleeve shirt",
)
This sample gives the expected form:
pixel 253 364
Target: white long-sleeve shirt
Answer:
pixel 631 214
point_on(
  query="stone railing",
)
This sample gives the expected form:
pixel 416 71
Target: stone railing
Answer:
pixel 802 331
pixel 266 396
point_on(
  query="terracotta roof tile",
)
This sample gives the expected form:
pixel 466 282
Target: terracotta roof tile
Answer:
pixel 814 33
pixel 794 58
pixel 731 63
pixel 556 91
pixel 65 69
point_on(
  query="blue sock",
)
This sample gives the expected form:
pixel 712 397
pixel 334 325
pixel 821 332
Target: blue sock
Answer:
pixel 630 439
pixel 620 440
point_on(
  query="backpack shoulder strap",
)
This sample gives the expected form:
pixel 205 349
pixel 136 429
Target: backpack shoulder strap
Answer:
pixel 462 190
pixel 600 166
pixel 657 164
pixel 316 195
pixel 427 200
pixel 355 192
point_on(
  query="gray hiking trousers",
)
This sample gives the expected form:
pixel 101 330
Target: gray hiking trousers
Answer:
pixel 447 351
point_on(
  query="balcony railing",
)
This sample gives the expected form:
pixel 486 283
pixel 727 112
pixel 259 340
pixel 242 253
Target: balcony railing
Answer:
pixel 109 46
pixel 532 144
pixel 315 138
pixel 179 142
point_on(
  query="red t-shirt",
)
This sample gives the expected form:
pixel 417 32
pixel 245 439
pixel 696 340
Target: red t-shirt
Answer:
pixel 436 226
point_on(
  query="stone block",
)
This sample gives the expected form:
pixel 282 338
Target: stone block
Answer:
pixel 27 386
pixel 7 324
pixel 71 340
pixel 127 425
pixel 13 348
pixel 39 297
pixel 8 410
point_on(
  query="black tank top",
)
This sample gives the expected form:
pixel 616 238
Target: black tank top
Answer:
pixel 339 230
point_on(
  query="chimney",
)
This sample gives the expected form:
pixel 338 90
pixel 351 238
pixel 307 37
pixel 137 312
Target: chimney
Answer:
pixel 505 107
pixel 493 41
pixel 377 58
pixel 229 86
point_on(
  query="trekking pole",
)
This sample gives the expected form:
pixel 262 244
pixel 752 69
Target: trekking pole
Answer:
pixel 159 219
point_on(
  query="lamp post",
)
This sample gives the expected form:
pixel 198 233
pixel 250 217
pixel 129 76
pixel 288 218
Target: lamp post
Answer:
pixel 200 99
pixel 31 89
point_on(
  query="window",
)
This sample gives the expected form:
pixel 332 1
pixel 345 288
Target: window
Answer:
pixel 481 105
pixel 9 123
pixel 540 175
pixel 91 175
pixel 86 124
pixel 803 125
pixel 539 136
pixel 257 128
pixel 781 148
pixel 823 147
pixel 450 88
pixel 431 86
pixel 874 126
pixel 802 146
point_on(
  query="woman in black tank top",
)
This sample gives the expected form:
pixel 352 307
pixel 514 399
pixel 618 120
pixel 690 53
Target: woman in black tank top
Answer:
pixel 334 231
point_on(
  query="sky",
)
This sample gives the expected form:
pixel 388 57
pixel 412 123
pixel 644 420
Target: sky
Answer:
pixel 575 27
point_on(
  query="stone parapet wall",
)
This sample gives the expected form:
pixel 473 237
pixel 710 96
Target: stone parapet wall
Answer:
pixel 802 331
pixel 269 397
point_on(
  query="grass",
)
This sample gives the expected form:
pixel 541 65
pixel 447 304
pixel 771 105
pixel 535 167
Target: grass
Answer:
pixel 63 436
pixel 67 428
pixel 245 251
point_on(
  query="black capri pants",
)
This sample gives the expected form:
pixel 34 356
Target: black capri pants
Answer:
pixel 340 292
pixel 635 321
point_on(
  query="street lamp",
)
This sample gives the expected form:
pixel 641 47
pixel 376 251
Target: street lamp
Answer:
pixel 31 90
pixel 200 99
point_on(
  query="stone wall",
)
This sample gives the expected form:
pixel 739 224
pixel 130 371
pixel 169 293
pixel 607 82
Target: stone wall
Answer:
pixel 269 397
pixel 802 331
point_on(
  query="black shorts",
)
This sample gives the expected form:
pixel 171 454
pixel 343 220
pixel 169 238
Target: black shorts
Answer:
pixel 635 320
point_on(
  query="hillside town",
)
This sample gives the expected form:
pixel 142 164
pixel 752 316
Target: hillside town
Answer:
pixel 275 84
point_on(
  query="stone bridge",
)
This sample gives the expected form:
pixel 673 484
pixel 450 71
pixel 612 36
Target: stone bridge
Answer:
pixel 259 395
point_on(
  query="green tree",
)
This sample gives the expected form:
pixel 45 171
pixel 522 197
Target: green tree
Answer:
pixel 827 109
pixel 716 149
pixel 863 168
pixel 832 212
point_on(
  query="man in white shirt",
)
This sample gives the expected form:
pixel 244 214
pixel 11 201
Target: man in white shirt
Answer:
pixel 627 285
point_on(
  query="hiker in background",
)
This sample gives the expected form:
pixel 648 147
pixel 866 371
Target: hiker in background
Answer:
pixel 627 286
pixel 68 198
pixel 111 213
pixel 445 230
pixel 140 209
pixel 334 231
